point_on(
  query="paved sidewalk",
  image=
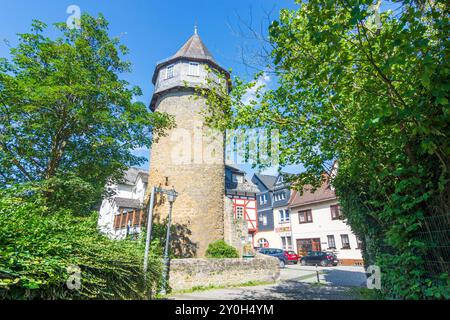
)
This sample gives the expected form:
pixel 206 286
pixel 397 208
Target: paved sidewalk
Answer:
pixel 296 283
pixel 347 276
pixel 285 290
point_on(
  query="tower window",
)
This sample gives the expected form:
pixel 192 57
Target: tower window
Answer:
pixel 169 71
pixel 194 69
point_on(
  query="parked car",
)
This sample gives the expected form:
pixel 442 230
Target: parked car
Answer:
pixel 321 258
pixel 291 257
pixel 277 253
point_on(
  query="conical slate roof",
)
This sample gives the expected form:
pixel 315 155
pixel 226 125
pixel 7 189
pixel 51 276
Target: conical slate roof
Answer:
pixel 194 48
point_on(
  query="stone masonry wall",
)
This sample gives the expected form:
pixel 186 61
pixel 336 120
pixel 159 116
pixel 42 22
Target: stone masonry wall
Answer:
pixel 188 273
pixel 190 159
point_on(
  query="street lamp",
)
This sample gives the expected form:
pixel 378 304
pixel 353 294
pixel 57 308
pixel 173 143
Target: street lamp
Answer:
pixel 171 197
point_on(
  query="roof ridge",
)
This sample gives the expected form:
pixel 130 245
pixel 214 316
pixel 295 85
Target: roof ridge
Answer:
pixel 266 175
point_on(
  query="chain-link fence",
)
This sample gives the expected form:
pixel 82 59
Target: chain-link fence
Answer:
pixel 436 235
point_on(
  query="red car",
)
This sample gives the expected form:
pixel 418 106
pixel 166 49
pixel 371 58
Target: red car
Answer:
pixel 291 257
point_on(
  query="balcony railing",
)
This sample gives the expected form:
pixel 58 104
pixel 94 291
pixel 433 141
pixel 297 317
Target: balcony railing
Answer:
pixel 133 218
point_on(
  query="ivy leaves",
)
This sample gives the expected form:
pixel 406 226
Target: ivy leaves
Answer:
pixel 375 100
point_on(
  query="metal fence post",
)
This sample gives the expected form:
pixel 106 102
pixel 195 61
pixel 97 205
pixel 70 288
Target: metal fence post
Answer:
pixel 149 232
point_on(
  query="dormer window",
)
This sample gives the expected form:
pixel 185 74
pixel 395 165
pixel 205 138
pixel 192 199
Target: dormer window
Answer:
pixel 238 178
pixel 169 71
pixel 194 69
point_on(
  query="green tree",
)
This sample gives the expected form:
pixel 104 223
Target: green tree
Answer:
pixel 374 97
pixel 66 113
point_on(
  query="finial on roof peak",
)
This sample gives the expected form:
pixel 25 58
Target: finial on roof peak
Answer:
pixel 196 28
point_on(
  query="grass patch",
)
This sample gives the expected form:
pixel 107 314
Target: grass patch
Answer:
pixel 318 284
pixel 213 287
pixel 365 293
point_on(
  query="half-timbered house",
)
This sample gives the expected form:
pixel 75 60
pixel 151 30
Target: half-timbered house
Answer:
pixel 243 194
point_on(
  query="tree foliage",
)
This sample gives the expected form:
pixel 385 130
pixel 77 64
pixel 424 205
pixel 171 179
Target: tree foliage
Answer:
pixel 220 249
pixel 374 98
pixel 68 125
pixel 65 112
pixel 38 247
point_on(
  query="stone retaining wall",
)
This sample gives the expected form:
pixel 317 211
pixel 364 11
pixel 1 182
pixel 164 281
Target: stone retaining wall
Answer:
pixel 188 273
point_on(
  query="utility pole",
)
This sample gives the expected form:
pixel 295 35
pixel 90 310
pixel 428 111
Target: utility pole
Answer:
pixel 149 230
pixel 172 195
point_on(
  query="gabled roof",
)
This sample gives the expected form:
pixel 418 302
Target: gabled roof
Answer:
pixel 127 203
pixel 239 187
pixel 267 180
pixel 234 169
pixel 131 175
pixel 324 193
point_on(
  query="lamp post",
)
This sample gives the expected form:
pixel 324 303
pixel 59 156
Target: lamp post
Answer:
pixel 171 195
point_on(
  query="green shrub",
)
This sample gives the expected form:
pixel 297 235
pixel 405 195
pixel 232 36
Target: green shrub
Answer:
pixel 220 249
pixel 38 245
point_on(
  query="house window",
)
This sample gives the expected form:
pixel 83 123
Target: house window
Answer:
pixel 335 212
pixel 263 199
pixel 286 243
pixel 238 178
pixel 169 71
pixel 280 196
pixel 305 216
pixel 194 69
pixel 263 243
pixel 331 242
pixel 240 213
pixel 263 219
pixel 284 216
pixel 345 241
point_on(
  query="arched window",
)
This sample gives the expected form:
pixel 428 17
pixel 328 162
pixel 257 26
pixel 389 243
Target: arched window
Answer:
pixel 263 243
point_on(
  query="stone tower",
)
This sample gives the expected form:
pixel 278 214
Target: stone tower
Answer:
pixel 190 158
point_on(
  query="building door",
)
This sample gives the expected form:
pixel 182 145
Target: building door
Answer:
pixel 306 245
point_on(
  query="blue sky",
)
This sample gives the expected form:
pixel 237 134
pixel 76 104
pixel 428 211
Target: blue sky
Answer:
pixel 154 30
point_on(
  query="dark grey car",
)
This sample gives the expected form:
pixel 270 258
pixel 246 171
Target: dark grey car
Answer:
pixel 319 258
pixel 277 253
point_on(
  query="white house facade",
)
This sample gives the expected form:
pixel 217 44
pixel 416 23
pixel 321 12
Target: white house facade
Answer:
pixel 123 213
pixel 317 225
